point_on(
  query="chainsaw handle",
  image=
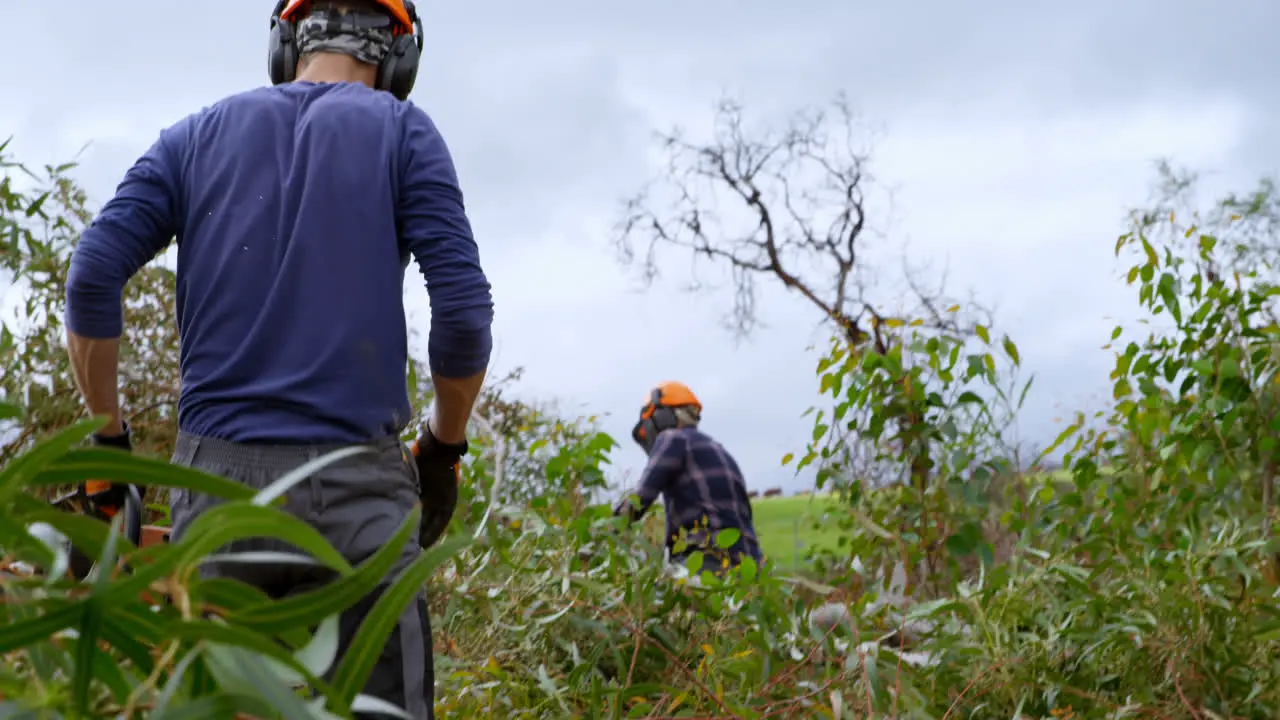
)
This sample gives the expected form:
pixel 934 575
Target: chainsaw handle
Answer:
pixel 132 526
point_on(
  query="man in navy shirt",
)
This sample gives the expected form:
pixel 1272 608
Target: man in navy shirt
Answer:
pixel 701 485
pixel 296 208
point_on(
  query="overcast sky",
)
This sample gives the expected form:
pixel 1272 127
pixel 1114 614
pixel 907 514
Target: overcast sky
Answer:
pixel 1014 137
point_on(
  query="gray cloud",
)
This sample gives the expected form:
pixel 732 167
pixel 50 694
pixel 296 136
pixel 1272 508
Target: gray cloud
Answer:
pixel 1015 137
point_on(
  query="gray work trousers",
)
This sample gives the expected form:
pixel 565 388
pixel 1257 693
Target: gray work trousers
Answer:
pixel 357 504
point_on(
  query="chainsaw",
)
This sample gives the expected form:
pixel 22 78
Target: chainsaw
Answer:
pixel 106 500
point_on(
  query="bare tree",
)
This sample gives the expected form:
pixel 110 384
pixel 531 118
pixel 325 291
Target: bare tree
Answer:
pixel 788 206
pixel 797 213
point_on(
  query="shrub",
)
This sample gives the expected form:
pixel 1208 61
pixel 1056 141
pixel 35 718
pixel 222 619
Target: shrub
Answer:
pixel 1140 580
pixel 158 639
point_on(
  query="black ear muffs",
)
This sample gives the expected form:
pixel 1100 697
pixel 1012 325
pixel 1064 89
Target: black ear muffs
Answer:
pixel 654 418
pixel 282 48
pixel 399 69
pixel 397 72
pixel 644 433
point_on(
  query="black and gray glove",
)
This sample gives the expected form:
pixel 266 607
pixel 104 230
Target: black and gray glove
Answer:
pixel 123 441
pixel 439 470
pixel 107 497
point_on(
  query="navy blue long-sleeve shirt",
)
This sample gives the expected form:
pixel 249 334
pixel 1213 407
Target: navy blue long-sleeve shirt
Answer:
pixel 296 209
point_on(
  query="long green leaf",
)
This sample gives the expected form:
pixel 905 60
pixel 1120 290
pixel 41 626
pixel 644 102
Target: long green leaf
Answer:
pixel 362 654
pixel 149 565
pixel 245 672
pixel 177 677
pixel 318 654
pixel 110 553
pixel 83 464
pixel 91 621
pixel 88 534
pixel 20 472
pixel 109 672
pixel 233 636
pixel 20 635
pixel 133 628
pixel 221 594
pixel 116 631
pixel 219 526
pixel 309 609
pixel 371 705
pixel 281 485
pixel 46 659
pixel 225 596
pixel 229 522
pixel 262 557
pixel 217 707
pixel 141 621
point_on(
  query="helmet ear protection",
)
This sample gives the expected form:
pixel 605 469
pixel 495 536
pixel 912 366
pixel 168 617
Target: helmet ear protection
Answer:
pixel 654 418
pixel 396 73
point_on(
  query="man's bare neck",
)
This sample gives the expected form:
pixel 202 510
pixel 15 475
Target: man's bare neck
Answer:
pixel 336 68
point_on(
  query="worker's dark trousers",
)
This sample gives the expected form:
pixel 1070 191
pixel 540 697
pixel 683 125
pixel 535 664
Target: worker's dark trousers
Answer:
pixel 357 503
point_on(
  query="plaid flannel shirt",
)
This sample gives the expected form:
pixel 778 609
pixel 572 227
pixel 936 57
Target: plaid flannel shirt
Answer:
pixel 703 492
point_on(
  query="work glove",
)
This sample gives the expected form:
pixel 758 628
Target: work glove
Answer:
pixel 106 497
pixel 627 507
pixel 439 467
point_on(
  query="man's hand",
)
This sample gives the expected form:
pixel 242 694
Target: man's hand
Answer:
pixel 122 440
pixel 107 497
pixel 438 473
pixel 629 506
pixel 105 500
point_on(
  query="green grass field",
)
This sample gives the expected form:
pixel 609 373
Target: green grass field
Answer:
pixel 785 527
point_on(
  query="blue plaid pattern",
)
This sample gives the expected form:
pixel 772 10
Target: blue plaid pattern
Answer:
pixel 703 493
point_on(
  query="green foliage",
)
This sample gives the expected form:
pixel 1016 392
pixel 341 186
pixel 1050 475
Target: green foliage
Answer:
pixel 160 640
pixel 926 418
pixel 1140 581
pixel 563 618
pixel 789 528
pixel 41 217
pixel 537 450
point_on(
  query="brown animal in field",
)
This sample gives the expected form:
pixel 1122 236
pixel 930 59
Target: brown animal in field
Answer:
pixel 773 492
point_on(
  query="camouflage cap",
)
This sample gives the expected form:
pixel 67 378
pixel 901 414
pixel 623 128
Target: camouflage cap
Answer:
pixel 363 35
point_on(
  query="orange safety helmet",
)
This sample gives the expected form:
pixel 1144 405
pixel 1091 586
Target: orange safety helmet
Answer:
pixel 396 8
pixel 658 412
